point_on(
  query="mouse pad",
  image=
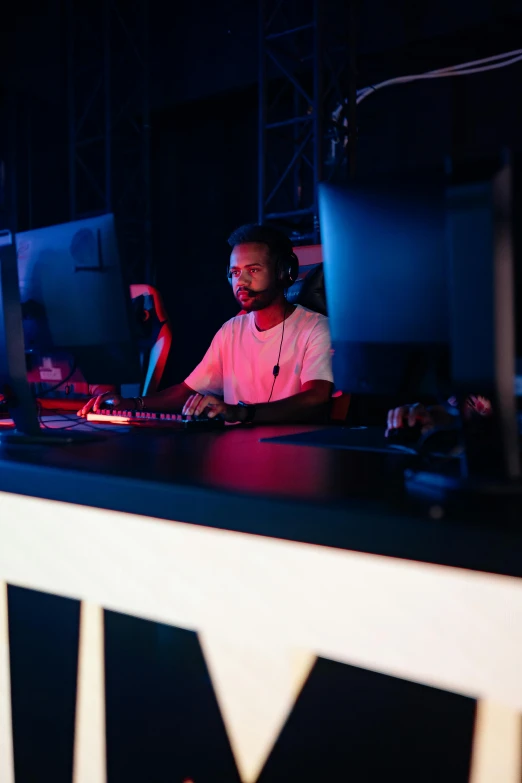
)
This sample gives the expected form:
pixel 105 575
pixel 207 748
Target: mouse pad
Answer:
pixel 353 438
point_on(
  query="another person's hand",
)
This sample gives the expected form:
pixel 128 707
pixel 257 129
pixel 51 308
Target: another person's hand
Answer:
pixel 410 415
pixel 207 404
pixel 107 400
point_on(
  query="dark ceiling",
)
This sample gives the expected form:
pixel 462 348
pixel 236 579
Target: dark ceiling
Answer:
pixel 204 48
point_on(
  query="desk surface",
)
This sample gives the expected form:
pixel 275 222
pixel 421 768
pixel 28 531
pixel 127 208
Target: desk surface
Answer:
pixel 231 480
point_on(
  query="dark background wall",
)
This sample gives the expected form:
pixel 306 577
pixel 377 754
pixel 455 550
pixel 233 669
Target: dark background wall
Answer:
pixel 203 71
pixel 205 169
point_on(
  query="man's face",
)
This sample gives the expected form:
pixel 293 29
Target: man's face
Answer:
pixel 252 270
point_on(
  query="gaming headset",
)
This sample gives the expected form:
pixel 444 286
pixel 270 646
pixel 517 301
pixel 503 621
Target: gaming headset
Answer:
pixel 286 269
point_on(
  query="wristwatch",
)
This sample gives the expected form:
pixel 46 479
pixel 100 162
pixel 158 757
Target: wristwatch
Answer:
pixel 250 412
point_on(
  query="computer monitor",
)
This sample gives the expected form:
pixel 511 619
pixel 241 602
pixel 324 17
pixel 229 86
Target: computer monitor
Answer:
pixel 412 270
pixel 386 276
pixel 76 301
pixel 482 211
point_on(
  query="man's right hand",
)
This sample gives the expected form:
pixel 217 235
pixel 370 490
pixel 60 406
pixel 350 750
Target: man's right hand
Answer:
pixel 108 400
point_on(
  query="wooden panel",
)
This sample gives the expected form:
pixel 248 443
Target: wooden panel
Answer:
pixel 497 744
pixel 90 763
pixel 446 627
pixel 256 688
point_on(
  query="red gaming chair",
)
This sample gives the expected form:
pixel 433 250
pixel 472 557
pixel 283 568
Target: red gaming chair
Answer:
pixel 150 311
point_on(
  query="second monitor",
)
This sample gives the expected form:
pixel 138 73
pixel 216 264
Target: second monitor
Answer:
pixel 386 274
pixel 75 298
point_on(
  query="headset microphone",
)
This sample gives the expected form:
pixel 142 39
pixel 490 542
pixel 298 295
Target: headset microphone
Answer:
pixel 251 292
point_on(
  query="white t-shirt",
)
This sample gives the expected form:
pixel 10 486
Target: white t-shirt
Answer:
pixel 240 361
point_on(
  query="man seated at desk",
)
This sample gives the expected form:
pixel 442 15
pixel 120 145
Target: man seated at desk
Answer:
pixel 271 365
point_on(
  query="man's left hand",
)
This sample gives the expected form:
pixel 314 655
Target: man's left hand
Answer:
pixel 199 404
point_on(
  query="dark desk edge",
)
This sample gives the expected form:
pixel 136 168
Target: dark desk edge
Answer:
pixel 362 525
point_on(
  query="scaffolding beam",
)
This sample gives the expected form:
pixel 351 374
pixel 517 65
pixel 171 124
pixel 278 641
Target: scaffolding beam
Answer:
pixel 290 116
pixel 307 67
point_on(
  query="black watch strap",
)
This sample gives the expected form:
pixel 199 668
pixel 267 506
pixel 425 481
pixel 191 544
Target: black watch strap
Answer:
pixel 250 412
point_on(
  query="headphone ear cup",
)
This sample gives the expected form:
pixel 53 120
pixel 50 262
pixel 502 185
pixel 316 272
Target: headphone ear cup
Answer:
pixel 293 271
pixel 287 270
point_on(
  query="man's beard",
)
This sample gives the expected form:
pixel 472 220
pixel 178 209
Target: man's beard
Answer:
pixel 264 299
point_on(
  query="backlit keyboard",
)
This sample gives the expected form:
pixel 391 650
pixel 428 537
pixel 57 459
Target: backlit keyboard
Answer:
pixel 154 419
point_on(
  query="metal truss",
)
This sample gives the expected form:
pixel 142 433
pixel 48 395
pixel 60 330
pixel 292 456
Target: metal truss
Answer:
pixel 109 122
pixel 304 72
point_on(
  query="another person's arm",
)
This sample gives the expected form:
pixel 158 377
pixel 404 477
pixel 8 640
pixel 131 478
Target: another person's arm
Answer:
pixel 412 415
pixel 436 416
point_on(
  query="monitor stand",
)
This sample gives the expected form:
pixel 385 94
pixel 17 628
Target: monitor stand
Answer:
pixel 17 437
pixel 13 373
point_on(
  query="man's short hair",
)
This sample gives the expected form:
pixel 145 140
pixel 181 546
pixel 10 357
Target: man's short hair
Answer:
pixel 276 240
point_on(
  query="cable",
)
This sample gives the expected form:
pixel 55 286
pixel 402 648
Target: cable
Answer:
pixel 81 422
pixel 439 75
pixel 39 414
pixel 64 417
pixel 484 60
pixel 276 367
pixel 452 70
pixel 464 69
pixel 57 386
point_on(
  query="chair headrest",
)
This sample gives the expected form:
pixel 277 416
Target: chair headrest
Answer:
pixel 146 321
pixel 309 291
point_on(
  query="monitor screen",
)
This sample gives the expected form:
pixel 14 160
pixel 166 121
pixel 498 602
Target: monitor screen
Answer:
pixel 386 273
pixel 75 299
